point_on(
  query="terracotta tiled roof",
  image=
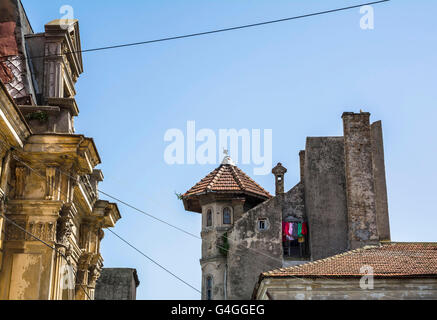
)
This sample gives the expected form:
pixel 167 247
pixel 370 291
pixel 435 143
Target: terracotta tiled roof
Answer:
pixel 227 179
pixel 387 260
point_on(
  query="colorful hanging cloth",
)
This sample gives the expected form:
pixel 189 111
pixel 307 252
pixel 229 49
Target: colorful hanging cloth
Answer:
pixel 299 230
pixel 295 231
pixel 304 228
pixel 289 235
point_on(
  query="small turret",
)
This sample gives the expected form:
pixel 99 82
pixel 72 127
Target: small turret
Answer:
pixel 279 172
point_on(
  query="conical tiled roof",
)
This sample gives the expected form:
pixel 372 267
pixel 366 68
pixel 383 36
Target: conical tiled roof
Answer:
pixel 228 178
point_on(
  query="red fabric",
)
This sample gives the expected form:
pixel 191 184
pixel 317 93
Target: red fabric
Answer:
pixel 304 228
pixel 286 230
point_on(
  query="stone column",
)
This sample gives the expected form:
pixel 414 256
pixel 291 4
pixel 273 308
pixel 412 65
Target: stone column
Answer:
pixel 53 71
pixel 360 188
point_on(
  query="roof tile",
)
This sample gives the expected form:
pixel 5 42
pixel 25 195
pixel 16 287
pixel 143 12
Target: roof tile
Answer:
pixel 390 259
pixel 227 178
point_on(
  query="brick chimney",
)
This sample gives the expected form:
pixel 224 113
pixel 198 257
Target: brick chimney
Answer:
pixel 279 172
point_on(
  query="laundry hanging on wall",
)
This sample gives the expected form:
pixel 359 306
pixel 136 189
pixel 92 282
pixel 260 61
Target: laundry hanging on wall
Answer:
pixel 294 231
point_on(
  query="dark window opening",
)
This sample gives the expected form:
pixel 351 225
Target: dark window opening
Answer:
pixel 295 249
pixel 262 224
pixel 209 288
pixel 227 216
pixel 209 218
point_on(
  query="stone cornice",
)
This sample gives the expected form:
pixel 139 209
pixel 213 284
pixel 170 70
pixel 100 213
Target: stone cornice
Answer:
pixel 106 212
pixel 67 103
pixel 26 208
pixel 61 148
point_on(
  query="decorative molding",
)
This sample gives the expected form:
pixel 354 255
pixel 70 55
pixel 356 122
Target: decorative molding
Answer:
pixel 20 180
pixel 52 183
pixel 42 230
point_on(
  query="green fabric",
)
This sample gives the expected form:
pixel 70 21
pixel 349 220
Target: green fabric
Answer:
pixel 299 230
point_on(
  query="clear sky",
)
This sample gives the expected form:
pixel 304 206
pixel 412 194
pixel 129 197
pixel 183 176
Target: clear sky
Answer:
pixel 294 77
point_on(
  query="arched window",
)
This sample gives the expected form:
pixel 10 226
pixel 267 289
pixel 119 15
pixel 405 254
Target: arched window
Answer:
pixel 209 218
pixel 227 216
pixel 209 288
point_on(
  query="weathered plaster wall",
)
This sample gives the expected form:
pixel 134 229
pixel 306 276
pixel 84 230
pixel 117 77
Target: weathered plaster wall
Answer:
pixel 214 267
pixel 294 202
pixel 26 271
pixel 213 262
pixel 325 197
pixel 347 289
pixel 253 251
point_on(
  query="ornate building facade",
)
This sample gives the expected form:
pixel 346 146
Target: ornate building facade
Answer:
pixel 51 217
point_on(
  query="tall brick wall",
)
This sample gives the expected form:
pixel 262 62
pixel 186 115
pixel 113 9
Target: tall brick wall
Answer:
pixel 360 188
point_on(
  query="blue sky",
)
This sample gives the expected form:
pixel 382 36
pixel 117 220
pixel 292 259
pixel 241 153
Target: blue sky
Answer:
pixel 295 77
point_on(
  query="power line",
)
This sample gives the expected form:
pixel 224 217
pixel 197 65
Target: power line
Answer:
pixel 197 34
pixel 118 200
pixel 146 256
pixel 218 246
pixel 125 241
pixel 149 215
pixel 189 233
pixel 153 261
pixel 142 211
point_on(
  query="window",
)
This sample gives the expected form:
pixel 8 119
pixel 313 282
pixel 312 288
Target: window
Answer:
pixel 262 224
pixel 209 218
pixel 209 288
pixel 227 216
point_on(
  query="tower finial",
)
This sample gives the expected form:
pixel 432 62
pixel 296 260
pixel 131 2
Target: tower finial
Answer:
pixel 227 159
